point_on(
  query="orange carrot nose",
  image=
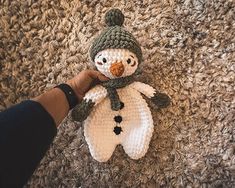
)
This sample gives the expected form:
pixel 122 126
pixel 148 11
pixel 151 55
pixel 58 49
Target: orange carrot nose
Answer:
pixel 117 69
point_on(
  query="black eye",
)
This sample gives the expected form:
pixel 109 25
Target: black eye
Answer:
pixel 128 61
pixel 104 60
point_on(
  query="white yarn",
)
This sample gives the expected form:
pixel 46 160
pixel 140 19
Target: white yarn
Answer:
pixel 136 128
pixel 137 123
pixel 96 94
pixel 112 56
pixel 143 88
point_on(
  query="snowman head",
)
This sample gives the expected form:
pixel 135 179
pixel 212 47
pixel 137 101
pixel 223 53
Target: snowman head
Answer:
pixel 115 63
pixel 115 52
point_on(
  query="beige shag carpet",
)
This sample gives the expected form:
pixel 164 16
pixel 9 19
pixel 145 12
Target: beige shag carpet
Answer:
pixel 189 53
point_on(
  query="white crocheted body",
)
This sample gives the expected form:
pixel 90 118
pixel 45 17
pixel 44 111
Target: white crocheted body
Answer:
pixel 136 124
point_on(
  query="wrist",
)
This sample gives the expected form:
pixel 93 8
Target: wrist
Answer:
pixel 75 88
pixel 55 103
pixel 69 93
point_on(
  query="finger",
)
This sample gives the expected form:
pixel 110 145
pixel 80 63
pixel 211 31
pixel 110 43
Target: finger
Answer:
pixel 94 83
pixel 102 77
pixel 97 75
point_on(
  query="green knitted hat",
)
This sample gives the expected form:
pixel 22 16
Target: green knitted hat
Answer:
pixel 115 37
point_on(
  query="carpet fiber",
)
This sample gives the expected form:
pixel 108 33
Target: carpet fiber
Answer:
pixel 189 53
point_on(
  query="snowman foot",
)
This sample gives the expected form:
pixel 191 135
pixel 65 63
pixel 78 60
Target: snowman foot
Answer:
pixel 101 151
pixel 101 142
pixel 137 142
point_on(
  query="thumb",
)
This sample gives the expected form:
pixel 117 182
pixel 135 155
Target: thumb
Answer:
pixel 102 77
pixel 97 75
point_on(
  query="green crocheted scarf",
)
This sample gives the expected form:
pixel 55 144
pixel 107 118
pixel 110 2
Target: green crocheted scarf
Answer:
pixel 112 85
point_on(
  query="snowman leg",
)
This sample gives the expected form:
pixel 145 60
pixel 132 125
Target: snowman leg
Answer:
pixel 100 141
pixel 137 141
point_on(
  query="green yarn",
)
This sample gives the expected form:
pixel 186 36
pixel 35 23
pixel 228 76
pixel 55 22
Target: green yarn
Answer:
pixel 82 110
pixel 161 100
pixel 112 85
pixel 115 36
pixel 114 17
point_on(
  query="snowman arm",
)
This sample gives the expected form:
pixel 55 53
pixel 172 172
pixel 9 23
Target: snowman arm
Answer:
pixel 161 100
pixel 96 94
pixel 93 97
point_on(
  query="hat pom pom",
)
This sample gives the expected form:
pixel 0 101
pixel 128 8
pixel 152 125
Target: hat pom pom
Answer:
pixel 114 17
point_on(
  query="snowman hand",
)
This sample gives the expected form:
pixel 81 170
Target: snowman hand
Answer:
pixel 82 110
pixel 92 98
pixel 161 100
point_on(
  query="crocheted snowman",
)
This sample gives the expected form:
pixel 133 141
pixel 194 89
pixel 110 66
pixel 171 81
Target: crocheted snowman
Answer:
pixel 115 111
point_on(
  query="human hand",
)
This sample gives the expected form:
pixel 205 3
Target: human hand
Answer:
pixel 84 81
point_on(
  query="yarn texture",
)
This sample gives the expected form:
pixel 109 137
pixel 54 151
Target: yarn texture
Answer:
pixel 115 111
pixel 114 17
pixel 99 127
pixel 115 36
pixel 81 111
pixel 111 87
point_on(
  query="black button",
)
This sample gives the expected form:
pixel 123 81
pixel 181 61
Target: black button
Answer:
pixel 122 105
pixel 118 119
pixel 117 130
